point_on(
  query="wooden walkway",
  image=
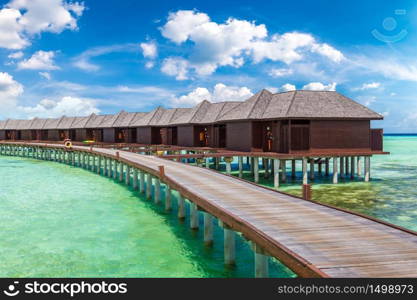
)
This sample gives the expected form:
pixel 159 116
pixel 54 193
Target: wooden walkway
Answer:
pixel 311 239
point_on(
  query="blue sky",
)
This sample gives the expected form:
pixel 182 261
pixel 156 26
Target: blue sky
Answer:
pixel 78 57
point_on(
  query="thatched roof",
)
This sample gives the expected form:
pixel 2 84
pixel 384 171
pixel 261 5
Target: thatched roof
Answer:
pixel 38 123
pixel 3 124
pixel 52 123
pixel 24 124
pixel 261 106
pixel 79 122
pixel 66 122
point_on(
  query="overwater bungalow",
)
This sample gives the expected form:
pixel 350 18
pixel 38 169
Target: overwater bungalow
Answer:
pixel 289 122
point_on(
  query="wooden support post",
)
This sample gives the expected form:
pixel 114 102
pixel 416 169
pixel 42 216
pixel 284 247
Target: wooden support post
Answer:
pixel 168 197
pixel 208 229
pixel 276 173
pixel 261 262
pixel 335 175
pixel 135 178
pixel 207 162
pixel 148 186
pixel 305 180
pixel 228 161
pixel 293 168
pixel 193 216
pixel 320 165
pixel 352 167
pixel 181 207
pixel 342 166
pixel 127 177
pixel 121 172
pixel 367 168
pixel 311 168
pixel 307 193
pixel 283 170
pixel 347 166
pixel 142 182
pixel 99 165
pixel 229 246
pixel 256 169
pixel 115 169
pixel 358 164
pixel 157 191
pixel 326 167
pixel 240 158
pixel 265 164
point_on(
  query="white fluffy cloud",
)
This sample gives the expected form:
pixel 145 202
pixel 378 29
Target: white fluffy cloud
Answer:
pixel 318 86
pixel 10 89
pixel 287 87
pixel 45 75
pixel 279 72
pixel 22 19
pixel 234 41
pixel 15 55
pixel 371 85
pixel 219 93
pixel 149 50
pixel 40 60
pixel 175 66
pixel 70 106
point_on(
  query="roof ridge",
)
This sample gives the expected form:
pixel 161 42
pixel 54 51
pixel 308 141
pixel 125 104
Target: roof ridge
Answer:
pixel 154 113
pixel 172 116
pixel 197 108
pixel 59 122
pixel 292 101
pixel 254 104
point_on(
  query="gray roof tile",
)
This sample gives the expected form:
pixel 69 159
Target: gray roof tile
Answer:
pixel 38 124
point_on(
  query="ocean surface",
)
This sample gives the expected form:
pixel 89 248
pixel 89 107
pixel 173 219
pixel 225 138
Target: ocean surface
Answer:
pixel 61 221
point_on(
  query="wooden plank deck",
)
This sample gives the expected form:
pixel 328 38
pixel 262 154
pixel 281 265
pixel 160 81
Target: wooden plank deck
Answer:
pixel 311 239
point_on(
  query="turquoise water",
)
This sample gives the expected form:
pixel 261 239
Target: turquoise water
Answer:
pixel 61 221
pixel 391 195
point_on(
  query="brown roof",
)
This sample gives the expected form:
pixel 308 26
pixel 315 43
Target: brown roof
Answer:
pixel 262 106
pixel 124 118
pixel 24 124
pixel 38 123
pixel 79 122
pixel 3 124
pixel 52 123
pixel 299 104
pixel 66 122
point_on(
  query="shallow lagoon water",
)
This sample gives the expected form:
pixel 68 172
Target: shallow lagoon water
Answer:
pixel 391 195
pixel 61 221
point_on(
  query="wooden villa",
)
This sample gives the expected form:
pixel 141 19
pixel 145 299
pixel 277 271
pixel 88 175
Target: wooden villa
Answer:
pixel 289 122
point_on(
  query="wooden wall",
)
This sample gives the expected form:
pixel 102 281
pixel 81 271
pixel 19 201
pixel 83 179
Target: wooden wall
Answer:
pixel 339 134
pixel 185 136
pixel 144 135
pixel 25 135
pixel 53 135
pixel 2 134
pixel 239 136
pixel 109 135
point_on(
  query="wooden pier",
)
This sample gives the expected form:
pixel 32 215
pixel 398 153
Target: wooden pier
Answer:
pixel 312 239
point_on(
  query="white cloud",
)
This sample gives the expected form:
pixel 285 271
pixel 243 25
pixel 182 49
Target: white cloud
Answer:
pixel 287 87
pixel 182 23
pixel 366 100
pixel 149 50
pixel 10 89
pixel 149 64
pixel 318 86
pixel 220 92
pixel 15 55
pixel 20 20
pixel 47 15
pixel 41 60
pixel 279 72
pixel 70 106
pixel 234 41
pixel 10 30
pixel 367 86
pixel 83 61
pixel 45 75
pixel 328 51
pixel 175 66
